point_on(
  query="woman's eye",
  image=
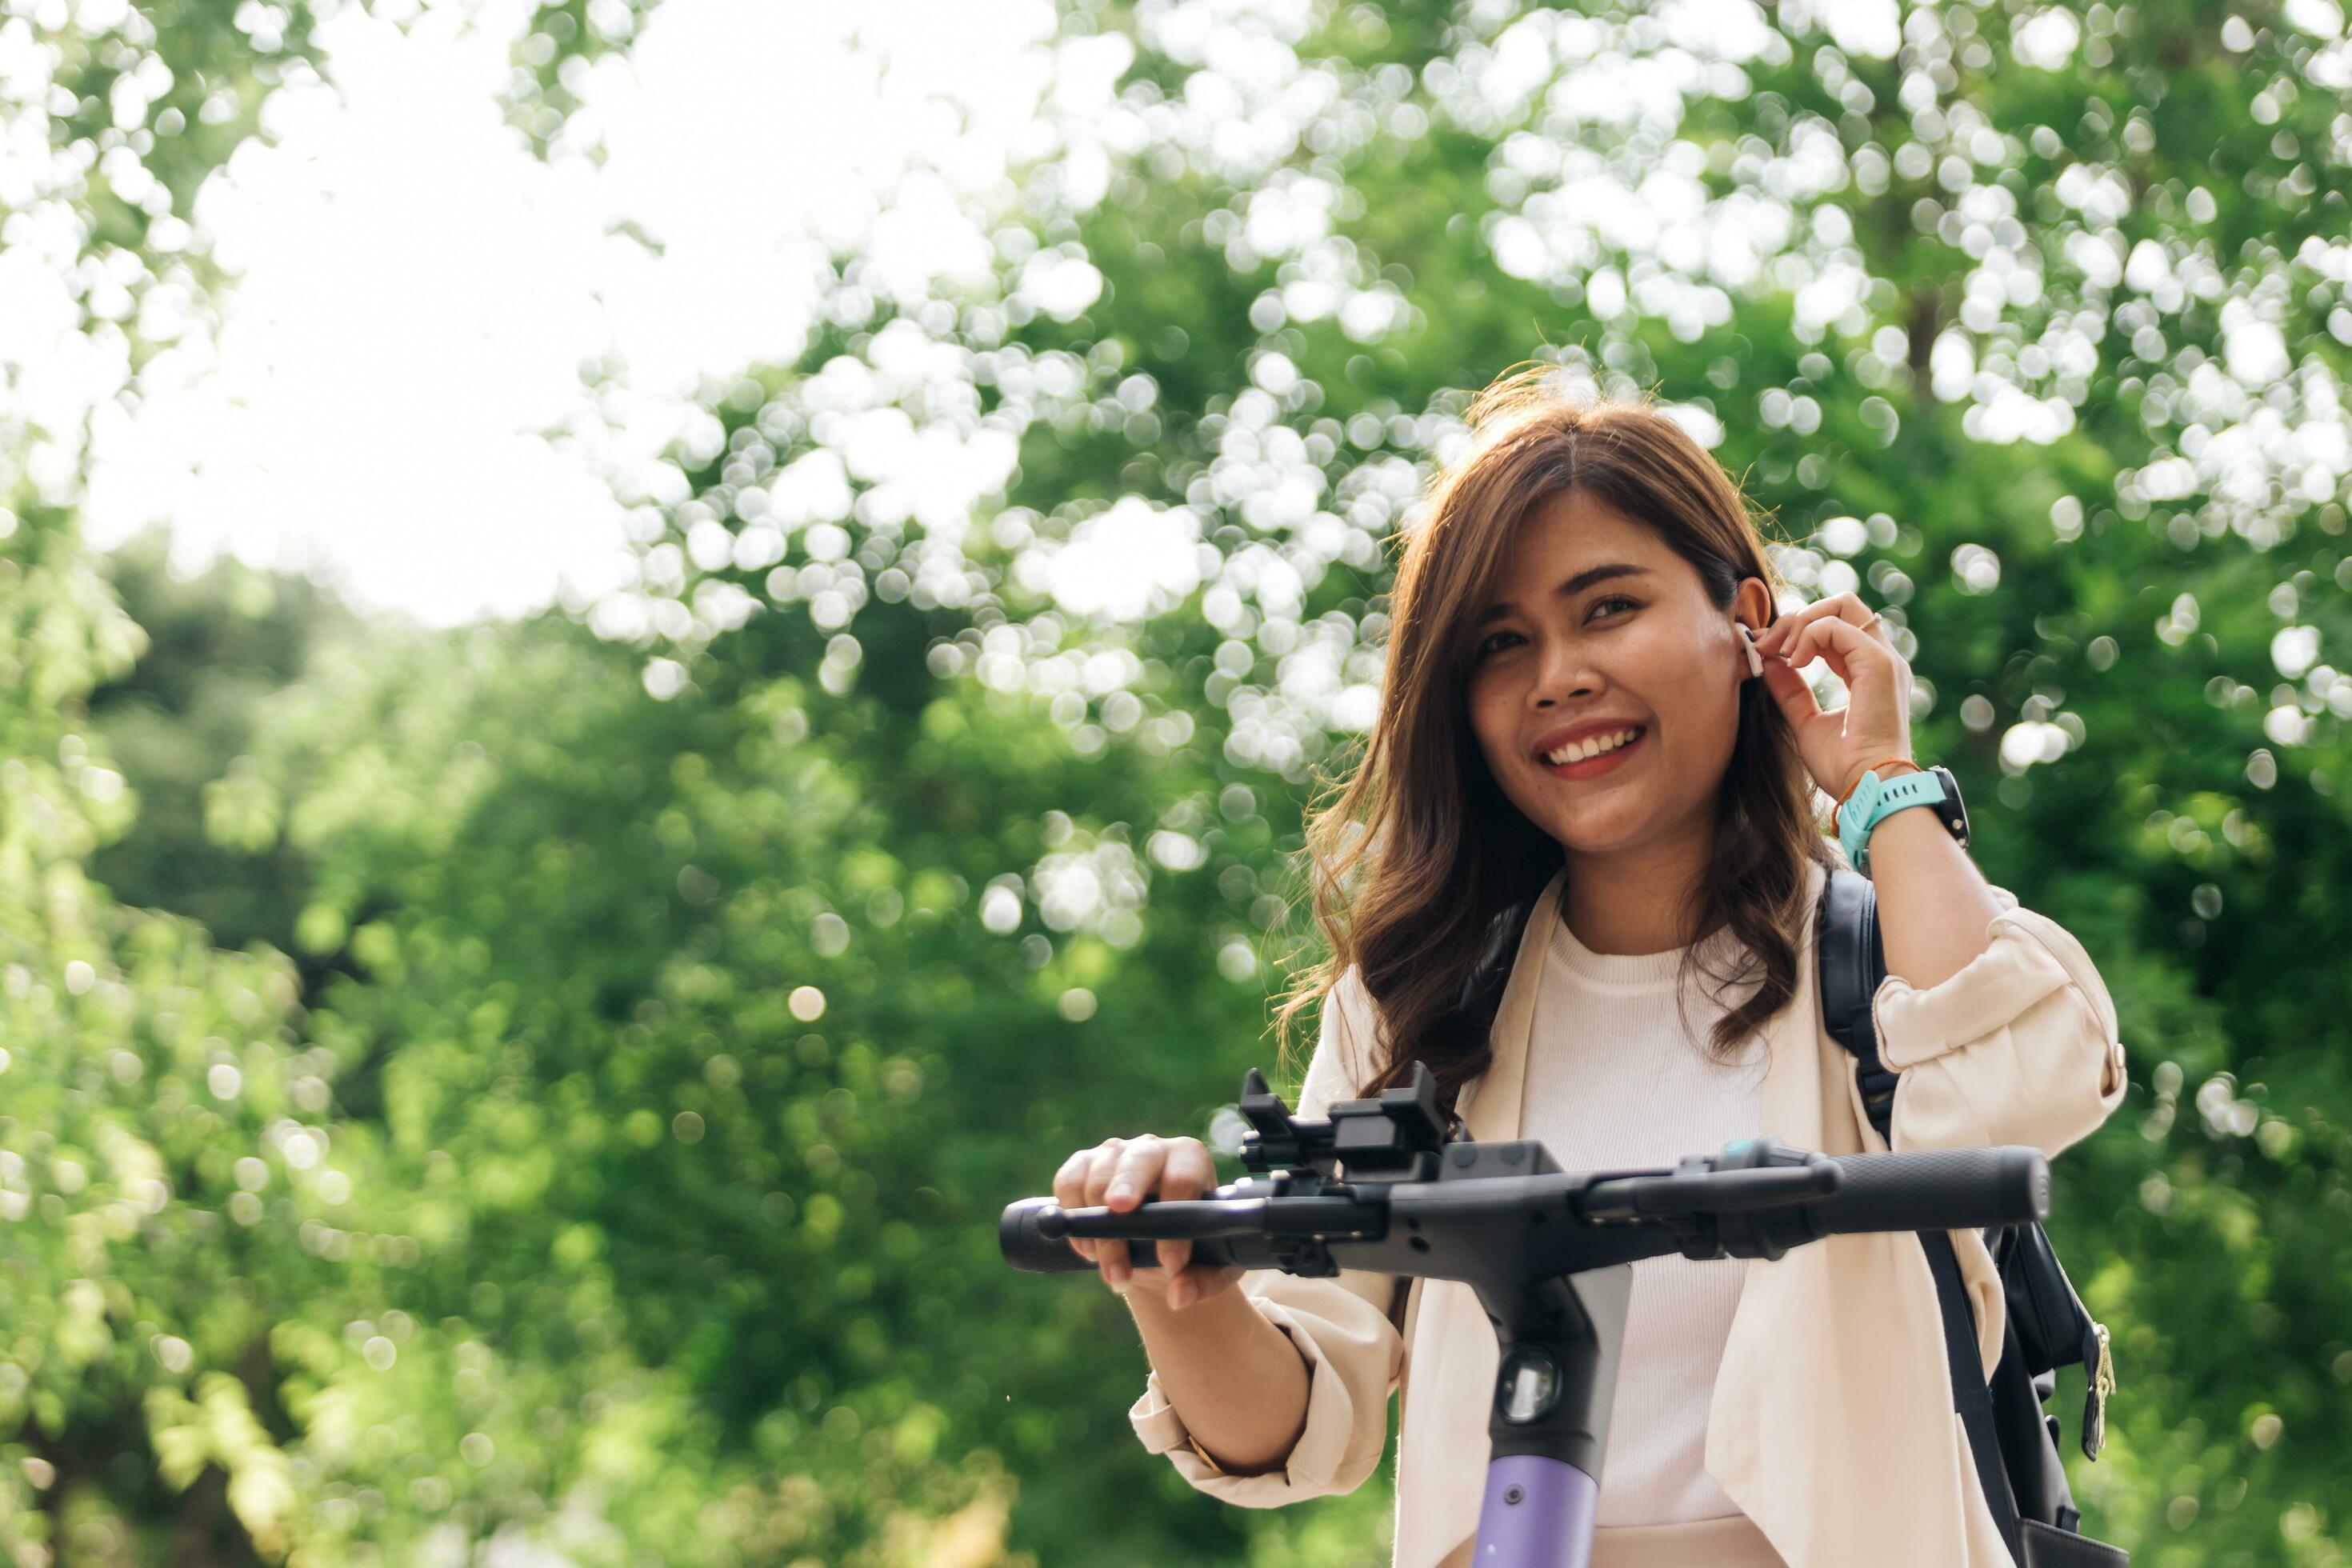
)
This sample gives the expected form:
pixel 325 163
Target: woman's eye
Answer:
pixel 1617 597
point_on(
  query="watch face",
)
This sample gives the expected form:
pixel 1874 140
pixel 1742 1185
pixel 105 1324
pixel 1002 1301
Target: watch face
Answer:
pixel 1954 812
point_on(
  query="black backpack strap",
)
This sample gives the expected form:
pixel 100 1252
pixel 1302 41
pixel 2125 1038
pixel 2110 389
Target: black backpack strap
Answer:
pixel 1482 988
pixel 1853 964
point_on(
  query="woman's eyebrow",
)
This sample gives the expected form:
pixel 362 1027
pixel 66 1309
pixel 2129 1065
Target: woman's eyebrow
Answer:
pixel 1573 586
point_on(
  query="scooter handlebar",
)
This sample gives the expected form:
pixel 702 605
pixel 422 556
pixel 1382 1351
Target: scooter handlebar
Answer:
pixel 1943 1189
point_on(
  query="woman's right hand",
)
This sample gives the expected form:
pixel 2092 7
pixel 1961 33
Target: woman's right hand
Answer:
pixel 1119 1173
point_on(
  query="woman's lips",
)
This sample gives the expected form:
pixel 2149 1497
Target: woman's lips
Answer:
pixel 1593 767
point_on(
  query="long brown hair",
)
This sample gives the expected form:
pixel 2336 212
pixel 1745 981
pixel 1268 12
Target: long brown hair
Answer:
pixel 1411 865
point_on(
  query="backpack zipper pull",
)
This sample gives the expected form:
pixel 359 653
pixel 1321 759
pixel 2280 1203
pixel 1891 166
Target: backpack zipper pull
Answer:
pixel 2102 1383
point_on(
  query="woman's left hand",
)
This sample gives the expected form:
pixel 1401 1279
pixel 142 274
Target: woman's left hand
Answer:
pixel 1875 722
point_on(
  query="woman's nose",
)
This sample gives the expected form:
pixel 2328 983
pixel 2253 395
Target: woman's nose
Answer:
pixel 1564 670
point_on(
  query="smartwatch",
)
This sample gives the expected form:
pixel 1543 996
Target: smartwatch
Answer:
pixel 1875 799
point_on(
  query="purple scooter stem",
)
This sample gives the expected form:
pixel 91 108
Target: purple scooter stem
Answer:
pixel 1539 1513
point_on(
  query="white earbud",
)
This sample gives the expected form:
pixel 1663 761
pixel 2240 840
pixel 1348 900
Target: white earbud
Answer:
pixel 1755 659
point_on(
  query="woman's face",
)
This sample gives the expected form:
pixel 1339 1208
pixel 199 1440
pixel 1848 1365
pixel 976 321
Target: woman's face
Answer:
pixel 1639 649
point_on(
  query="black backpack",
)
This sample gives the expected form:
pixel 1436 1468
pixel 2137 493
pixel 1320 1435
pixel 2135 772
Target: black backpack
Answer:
pixel 2012 1438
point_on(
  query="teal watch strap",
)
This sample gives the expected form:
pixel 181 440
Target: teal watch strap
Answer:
pixel 1874 800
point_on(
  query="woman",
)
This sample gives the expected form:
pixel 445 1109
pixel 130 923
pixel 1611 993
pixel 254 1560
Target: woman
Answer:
pixel 1590 573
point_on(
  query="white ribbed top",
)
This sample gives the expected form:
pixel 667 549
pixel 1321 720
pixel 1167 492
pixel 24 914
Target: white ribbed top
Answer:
pixel 1613 1082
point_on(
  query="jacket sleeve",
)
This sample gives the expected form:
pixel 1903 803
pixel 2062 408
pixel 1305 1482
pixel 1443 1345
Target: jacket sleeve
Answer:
pixel 2019 1047
pixel 1345 1328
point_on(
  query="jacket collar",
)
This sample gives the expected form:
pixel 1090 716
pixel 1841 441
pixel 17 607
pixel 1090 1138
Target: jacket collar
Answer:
pixel 1489 1103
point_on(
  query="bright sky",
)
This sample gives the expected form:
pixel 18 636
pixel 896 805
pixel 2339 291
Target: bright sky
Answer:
pixel 396 397
pixel 394 400
pixel 419 294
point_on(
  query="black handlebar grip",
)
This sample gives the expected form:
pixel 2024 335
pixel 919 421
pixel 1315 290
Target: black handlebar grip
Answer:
pixel 1029 1249
pixel 1937 1189
pixel 1032 1252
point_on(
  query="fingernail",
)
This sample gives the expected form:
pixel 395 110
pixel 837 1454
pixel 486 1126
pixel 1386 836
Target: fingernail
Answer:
pixel 1118 1190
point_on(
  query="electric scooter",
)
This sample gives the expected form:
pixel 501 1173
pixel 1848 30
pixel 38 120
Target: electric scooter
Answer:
pixel 1387 1185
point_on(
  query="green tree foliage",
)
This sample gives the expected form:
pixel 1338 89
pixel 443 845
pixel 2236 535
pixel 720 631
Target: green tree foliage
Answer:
pixel 154 1092
pixel 641 1021
pixel 207 842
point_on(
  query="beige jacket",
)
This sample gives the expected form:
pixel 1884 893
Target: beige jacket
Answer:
pixel 1831 1423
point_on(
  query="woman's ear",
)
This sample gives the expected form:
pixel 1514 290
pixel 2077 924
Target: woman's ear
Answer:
pixel 1751 612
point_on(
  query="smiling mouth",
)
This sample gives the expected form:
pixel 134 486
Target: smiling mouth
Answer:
pixel 1599 761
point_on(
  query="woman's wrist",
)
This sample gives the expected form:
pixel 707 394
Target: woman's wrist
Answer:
pixel 1898 765
pixel 1226 1369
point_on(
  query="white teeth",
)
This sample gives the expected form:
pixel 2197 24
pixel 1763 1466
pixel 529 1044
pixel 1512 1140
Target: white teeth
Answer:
pixel 1592 748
